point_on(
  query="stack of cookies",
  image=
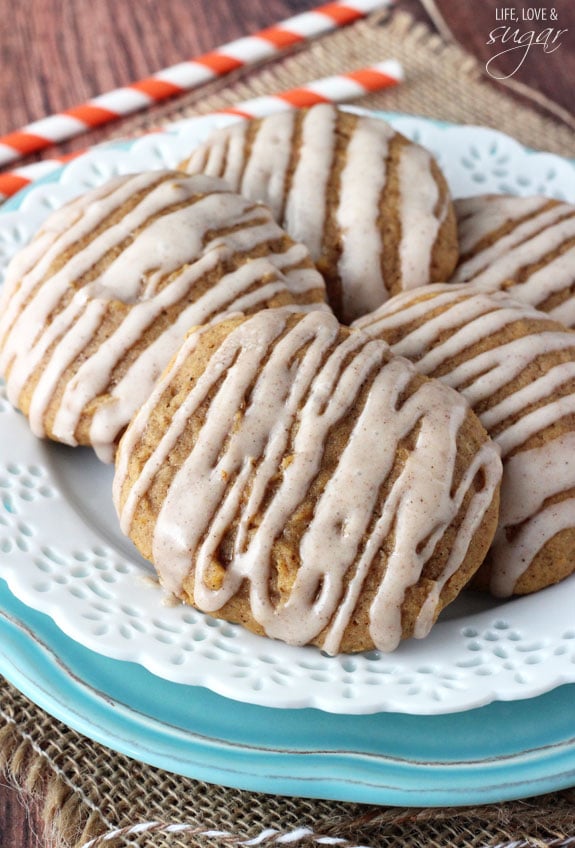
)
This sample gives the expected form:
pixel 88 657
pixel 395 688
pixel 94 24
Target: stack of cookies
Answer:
pixel 334 397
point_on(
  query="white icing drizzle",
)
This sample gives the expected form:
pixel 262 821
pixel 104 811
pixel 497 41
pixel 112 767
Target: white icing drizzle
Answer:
pixel 230 156
pixel 362 183
pixel 78 333
pixel 419 195
pixel 554 277
pixel 532 536
pixel 165 255
pixel 261 172
pixel 268 163
pixel 527 242
pixel 529 476
pixel 305 204
pixel 539 474
pixel 478 217
pixel 233 461
pixel 70 224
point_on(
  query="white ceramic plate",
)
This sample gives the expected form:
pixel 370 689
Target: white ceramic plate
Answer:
pixel 62 553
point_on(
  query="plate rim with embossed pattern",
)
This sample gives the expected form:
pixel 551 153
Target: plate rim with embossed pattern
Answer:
pixel 498 659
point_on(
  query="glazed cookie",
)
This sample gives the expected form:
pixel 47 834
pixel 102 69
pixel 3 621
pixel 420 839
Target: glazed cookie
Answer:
pixel 372 207
pixel 94 307
pixel 525 245
pixel 517 369
pixel 290 475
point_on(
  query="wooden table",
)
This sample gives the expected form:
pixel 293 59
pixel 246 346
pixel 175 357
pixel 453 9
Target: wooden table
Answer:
pixel 55 55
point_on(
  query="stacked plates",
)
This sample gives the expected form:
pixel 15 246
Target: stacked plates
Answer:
pixel 480 711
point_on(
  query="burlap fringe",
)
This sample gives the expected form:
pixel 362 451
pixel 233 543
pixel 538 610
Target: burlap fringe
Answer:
pixel 419 37
pixel 72 819
pixel 69 820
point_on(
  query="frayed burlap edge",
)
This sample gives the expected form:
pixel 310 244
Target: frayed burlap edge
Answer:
pixel 68 817
pixel 84 791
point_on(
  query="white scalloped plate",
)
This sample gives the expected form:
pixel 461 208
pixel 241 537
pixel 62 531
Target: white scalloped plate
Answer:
pixel 62 553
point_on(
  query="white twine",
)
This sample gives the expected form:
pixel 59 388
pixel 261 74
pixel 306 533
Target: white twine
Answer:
pixel 272 836
pixel 268 836
pixel 560 842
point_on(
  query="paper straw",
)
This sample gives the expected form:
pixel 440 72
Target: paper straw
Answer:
pixel 13 181
pixel 184 76
pixel 333 89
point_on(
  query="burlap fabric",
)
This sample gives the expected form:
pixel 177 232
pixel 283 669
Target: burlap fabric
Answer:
pixel 84 791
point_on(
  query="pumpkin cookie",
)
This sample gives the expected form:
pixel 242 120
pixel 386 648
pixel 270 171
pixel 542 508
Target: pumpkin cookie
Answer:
pixel 94 307
pixel 287 473
pixel 525 245
pixel 372 207
pixel 516 367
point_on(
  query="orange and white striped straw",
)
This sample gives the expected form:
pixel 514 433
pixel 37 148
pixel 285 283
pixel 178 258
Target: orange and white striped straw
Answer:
pixel 182 77
pixel 334 89
pixel 12 182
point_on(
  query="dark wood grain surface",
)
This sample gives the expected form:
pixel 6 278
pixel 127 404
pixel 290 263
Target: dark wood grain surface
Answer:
pixel 56 54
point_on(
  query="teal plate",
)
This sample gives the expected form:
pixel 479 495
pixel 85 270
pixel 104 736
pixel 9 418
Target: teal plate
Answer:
pixel 505 750
pixel 499 752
